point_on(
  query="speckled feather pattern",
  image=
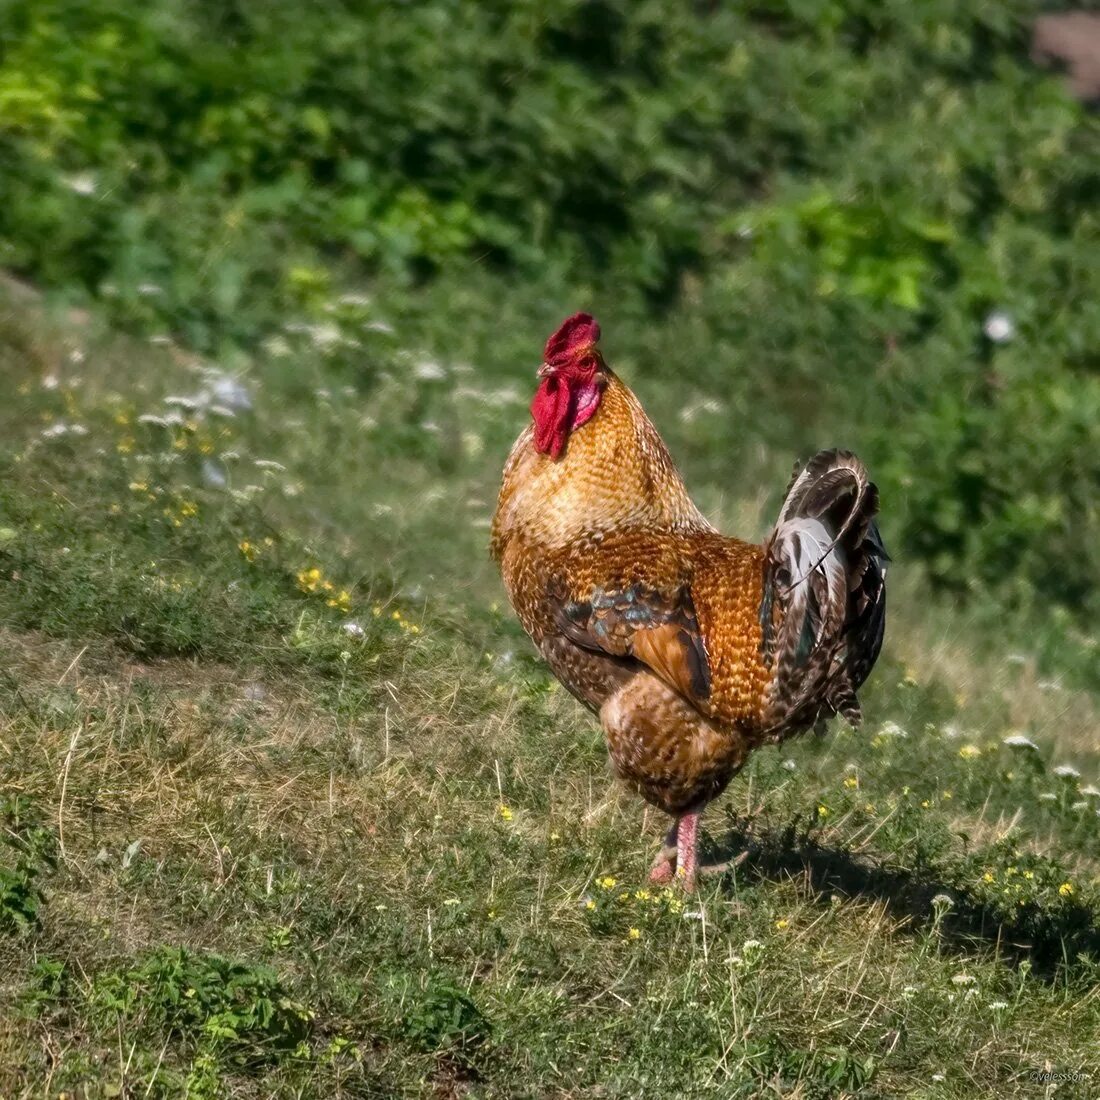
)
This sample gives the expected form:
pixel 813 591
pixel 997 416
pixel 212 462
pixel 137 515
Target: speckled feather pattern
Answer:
pixel 623 585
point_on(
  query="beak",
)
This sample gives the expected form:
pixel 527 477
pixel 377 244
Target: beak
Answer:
pixel 544 371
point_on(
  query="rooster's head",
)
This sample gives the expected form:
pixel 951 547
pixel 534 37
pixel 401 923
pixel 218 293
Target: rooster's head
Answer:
pixel 572 378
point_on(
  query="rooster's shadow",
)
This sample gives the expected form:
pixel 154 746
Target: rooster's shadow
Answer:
pixel 1048 941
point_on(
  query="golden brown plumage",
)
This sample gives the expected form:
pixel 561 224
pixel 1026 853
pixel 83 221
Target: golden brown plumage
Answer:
pixel 692 647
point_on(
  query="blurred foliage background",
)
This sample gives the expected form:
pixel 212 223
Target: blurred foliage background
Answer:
pixel 866 222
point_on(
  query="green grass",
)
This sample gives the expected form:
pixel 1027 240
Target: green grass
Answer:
pixel 246 852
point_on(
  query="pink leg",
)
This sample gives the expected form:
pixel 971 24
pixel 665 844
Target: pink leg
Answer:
pixel 686 860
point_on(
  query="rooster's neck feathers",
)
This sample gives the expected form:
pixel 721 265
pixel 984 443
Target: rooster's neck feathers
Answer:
pixel 614 472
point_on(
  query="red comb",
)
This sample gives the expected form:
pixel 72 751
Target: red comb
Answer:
pixel 575 332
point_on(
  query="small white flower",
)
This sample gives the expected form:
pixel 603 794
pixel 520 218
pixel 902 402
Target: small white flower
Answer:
pixel 51 382
pixel 183 402
pixel 1067 771
pixel 1020 741
pixel 230 392
pixel 358 300
pixel 429 371
pixel 695 914
pixel 379 326
pixel 1082 805
pixel 1090 790
pixel 1048 796
pixel 998 1006
pixel 213 475
pixel 752 945
pixel 160 339
pixel 1016 659
pixel 77 356
pixel 790 765
pixel 963 978
pixel 943 901
pixel 999 327
pixel 270 464
pixel 149 290
pixel 909 990
pixel 353 629
pixel 82 183
pixel 892 729
pixel 938 1077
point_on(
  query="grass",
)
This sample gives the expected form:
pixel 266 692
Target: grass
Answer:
pixel 290 809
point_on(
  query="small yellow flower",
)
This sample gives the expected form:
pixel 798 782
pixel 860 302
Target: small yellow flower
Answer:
pixel 948 795
pixel 555 836
pixel 607 882
pixel 869 808
pixel 247 549
pixel 642 895
pixel 822 810
pixel 925 804
pixel 851 782
pixel 590 905
pixel 970 752
pixel 505 812
pixel 634 934
pixel 206 447
pixel 188 508
pixel 988 877
pixel 1029 874
pixel 139 487
pixel 396 616
pixel 781 924
pixel 122 419
pixel 376 611
pixel 125 446
pixel 1066 889
pixel 492 914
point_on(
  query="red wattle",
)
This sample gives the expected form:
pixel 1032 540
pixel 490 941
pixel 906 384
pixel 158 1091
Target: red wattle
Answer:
pixel 550 410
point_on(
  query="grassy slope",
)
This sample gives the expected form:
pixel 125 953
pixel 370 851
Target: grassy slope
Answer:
pixel 397 863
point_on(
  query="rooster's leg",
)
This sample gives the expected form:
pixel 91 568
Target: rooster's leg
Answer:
pixel 664 866
pixel 686 862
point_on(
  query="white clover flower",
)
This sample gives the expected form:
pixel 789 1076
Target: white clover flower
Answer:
pixel 1019 741
pixel 82 183
pixel 1067 771
pixel 999 327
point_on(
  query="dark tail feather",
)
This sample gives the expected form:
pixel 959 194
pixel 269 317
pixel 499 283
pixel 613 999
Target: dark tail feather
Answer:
pixel 824 607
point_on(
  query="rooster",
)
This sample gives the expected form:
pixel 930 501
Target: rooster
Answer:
pixel 693 648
